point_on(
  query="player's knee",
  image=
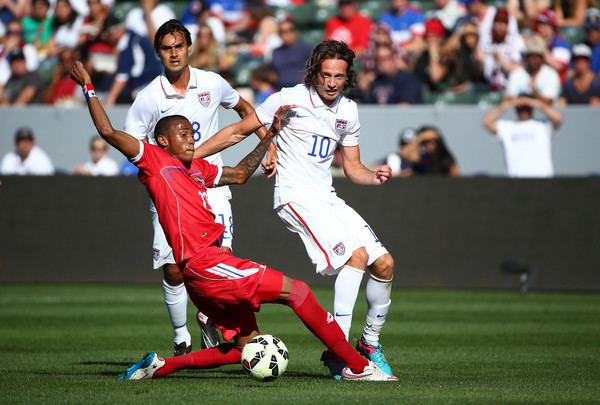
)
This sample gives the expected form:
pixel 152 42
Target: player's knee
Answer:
pixel 298 293
pixel 172 274
pixel 359 258
pixel 383 267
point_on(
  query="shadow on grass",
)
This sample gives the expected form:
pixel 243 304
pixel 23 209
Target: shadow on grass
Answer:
pixel 104 363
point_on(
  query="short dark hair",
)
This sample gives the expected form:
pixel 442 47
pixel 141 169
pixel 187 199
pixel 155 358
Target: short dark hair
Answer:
pixel 171 27
pixel 330 50
pixel 164 125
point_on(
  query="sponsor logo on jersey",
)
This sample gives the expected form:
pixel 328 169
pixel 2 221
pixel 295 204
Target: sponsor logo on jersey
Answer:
pixel 339 249
pixel 165 110
pixel 204 98
pixel 341 124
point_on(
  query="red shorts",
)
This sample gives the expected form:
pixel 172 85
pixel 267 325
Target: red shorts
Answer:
pixel 229 290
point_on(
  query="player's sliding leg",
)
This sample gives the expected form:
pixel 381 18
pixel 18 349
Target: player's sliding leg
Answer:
pixel 175 296
pixel 298 296
pixel 378 291
pixel 153 366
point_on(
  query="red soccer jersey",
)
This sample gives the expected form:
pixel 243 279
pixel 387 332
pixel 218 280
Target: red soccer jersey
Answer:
pixel 179 195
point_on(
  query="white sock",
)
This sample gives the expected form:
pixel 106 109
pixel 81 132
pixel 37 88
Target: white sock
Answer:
pixel 378 301
pixel 176 300
pixel 346 289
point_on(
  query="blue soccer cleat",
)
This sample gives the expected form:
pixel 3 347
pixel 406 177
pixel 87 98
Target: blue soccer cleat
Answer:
pixel 143 369
pixel 375 354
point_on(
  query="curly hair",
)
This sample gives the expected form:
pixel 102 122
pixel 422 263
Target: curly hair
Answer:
pixel 171 27
pixel 165 124
pixel 330 50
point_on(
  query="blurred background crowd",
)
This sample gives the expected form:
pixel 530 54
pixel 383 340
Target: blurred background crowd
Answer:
pixel 408 52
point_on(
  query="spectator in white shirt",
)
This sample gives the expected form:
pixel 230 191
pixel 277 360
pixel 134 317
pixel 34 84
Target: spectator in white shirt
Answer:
pixel 27 158
pixel 527 142
pixel 534 77
pixel 100 164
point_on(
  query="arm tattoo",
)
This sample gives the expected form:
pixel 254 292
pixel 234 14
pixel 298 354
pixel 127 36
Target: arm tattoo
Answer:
pixel 247 166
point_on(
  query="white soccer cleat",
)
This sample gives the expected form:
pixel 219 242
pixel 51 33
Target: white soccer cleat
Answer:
pixel 143 369
pixel 369 373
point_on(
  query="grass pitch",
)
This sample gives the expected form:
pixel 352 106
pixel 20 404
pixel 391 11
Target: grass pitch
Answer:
pixel 66 344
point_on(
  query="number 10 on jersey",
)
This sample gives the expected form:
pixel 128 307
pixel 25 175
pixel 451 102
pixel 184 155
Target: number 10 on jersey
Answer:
pixel 321 146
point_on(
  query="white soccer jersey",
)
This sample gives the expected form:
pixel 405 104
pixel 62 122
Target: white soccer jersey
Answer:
pixel 205 93
pixel 305 146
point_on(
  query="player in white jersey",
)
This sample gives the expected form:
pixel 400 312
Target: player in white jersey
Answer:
pixel 196 95
pixel 337 239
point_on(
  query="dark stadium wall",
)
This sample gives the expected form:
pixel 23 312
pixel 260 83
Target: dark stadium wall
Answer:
pixel 443 233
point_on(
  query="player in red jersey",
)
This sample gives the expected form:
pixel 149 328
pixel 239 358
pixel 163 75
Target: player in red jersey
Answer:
pixel 226 288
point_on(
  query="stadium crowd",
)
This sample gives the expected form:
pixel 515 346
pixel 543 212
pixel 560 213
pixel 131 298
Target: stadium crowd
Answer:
pixel 408 52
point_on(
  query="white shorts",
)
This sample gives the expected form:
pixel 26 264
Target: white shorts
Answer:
pixel 331 230
pixel 219 202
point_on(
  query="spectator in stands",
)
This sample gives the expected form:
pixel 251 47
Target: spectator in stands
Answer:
pixel 407 24
pixel 23 87
pixel 145 20
pixel 570 13
pixel 584 86
pixel 349 26
pixel 206 52
pixel 198 13
pixel 289 59
pixel 399 166
pixel 592 36
pixel 93 22
pixel 526 11
pixel 13 39
pixel 266 37
pixel 502 51
pixel 262 82
pixel 62 90
pixel 468 73
pixel 100 164
pixel 558 55
pixel 12 10
pixel 27 158
pixel 37 27
pixel 235 15
pixel 434 66
pixel 448 12
pixel 134 51
pixel 66 26
pixel 527 141
pixel 484 15
pixel 427 154
pixel 534 77
pixel 393 85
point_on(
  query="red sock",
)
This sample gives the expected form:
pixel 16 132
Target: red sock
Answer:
pixel 323 325
pixel 226 353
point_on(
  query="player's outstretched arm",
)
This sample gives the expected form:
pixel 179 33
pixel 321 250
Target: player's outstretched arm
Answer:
pixel 358 173
pixel 122 141
pixel 248 165
pixel 228 136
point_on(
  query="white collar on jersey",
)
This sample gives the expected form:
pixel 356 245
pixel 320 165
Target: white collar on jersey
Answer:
pixel 168 89
pixel 316 101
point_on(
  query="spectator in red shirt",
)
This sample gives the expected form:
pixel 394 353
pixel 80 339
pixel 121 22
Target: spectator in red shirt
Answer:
pixel 349 26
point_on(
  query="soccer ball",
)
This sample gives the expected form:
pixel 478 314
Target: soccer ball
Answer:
pixel 265 357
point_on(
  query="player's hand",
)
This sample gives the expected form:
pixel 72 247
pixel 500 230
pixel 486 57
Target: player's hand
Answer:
pixel 269 164
pixel 382 174
pixel 79 74
pixel 281 118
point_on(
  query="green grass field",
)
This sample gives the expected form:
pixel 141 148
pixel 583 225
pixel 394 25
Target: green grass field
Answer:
pixel 66 344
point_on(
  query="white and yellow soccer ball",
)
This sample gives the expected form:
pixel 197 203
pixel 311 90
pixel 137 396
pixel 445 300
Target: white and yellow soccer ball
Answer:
pixel 265 358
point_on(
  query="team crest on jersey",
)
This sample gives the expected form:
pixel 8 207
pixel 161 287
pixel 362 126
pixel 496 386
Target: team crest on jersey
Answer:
pixel 204 98
pixel 339 249
pixel 341 124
